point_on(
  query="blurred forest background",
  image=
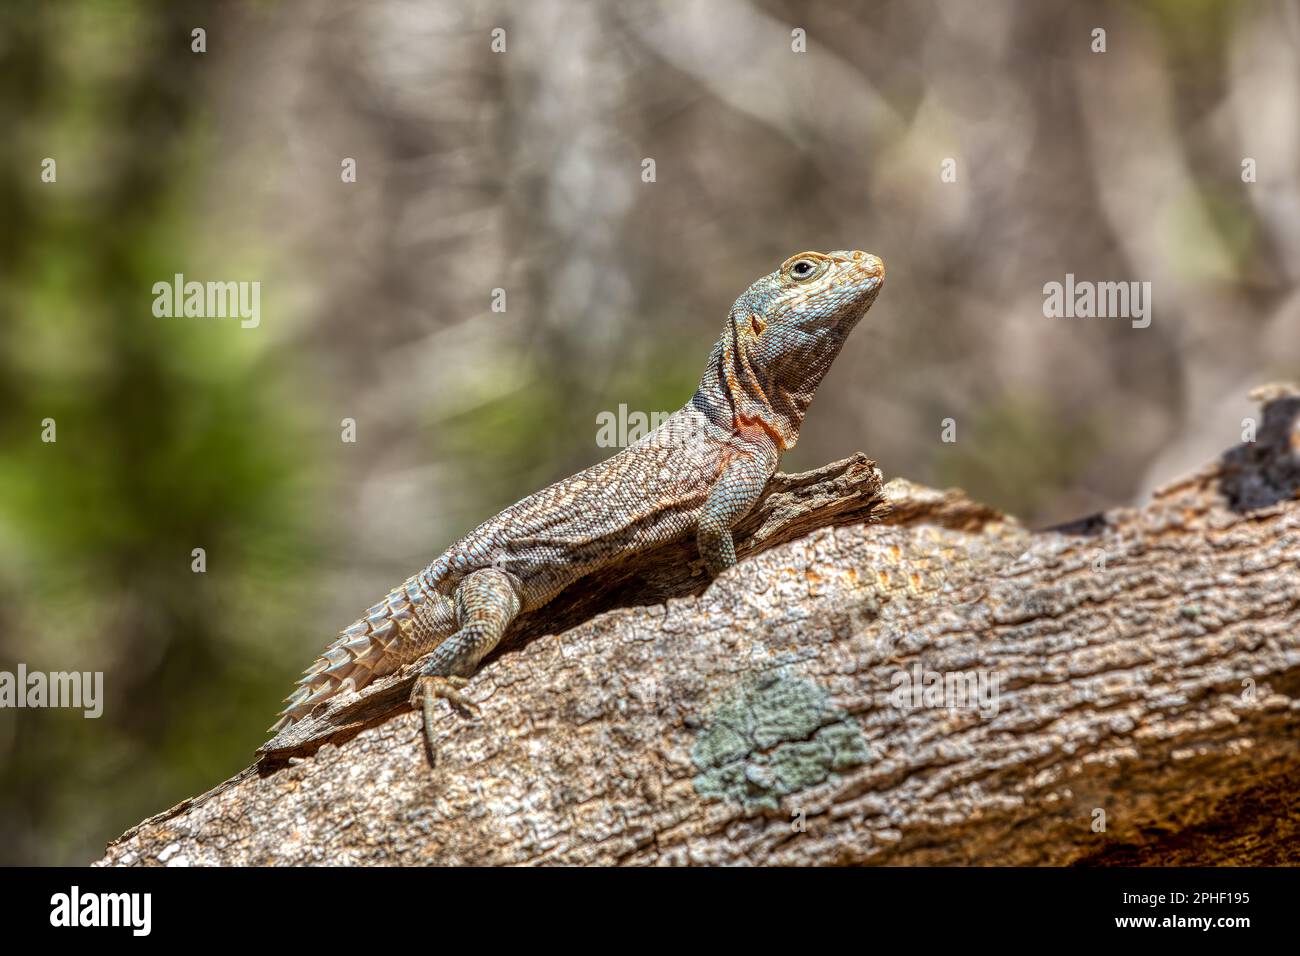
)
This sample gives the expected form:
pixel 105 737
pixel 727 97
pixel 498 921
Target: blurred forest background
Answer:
pixel 522 171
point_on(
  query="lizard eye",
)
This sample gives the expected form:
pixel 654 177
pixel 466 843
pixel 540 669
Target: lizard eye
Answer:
pixel 803 269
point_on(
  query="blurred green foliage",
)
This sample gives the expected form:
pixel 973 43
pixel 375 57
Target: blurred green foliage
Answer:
pixel 170 437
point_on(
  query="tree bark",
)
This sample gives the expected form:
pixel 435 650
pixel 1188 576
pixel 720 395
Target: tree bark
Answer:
pixel 889 675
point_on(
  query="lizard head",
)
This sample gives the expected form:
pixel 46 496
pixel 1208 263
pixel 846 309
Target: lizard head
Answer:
pixel 782 335
pixel 816 293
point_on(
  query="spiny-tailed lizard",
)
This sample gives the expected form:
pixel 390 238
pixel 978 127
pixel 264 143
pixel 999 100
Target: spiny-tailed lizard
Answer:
pixel 700 472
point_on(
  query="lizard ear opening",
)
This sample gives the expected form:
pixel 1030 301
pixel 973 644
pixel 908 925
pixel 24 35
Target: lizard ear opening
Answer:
pixel 757 324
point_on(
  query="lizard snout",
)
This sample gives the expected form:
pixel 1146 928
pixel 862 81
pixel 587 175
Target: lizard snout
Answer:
pixel 873 266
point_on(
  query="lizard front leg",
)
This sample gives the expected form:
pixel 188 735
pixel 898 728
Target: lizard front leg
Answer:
pixel 487 601
pixel 737 489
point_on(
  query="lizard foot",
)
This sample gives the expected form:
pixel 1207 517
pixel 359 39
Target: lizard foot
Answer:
pixel 429 688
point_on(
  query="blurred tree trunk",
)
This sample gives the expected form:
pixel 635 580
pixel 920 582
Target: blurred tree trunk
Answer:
pixel 1146 665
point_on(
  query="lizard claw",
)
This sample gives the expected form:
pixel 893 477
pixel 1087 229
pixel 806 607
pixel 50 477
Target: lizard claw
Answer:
pixel 429 688
pixel 447 688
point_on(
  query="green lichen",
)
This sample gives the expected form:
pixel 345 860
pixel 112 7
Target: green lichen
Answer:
pixel 774 735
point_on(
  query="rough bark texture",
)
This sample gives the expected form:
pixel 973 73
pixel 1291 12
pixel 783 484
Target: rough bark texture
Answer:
pixel 1146 664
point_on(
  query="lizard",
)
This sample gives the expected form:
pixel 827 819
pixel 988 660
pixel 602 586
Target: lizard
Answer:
pixel 700 471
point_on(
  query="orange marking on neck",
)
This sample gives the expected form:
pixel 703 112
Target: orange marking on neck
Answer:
pixel 757 424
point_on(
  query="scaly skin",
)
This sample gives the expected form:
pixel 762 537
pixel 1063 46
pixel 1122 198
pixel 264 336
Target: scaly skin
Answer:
pixel 700 472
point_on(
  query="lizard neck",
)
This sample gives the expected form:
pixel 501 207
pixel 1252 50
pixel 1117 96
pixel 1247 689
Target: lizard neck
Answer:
pixel 759 387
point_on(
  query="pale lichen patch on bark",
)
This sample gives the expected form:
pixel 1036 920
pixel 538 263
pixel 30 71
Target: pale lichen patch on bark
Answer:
pixel 772 735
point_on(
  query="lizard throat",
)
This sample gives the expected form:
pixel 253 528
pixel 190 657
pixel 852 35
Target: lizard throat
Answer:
pixel 756 401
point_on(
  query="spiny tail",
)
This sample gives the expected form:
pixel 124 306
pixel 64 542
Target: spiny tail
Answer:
pixel 406 625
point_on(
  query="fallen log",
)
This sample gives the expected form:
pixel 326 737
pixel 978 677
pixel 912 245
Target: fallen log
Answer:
pixel 891 674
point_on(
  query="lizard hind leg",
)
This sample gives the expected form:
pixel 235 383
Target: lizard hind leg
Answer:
pixel 486 602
